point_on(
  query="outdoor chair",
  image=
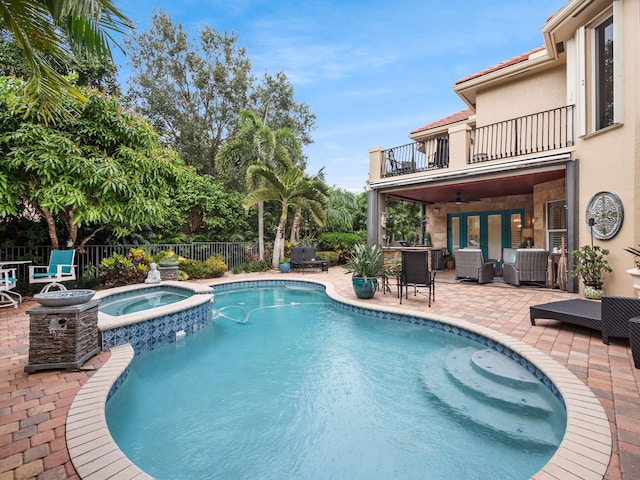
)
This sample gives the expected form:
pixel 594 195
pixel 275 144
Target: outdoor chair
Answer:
pixel 415 273
pixel 471 265
pixel 529 266
pixel 60 269
pixel 305 257
pixel 7 284
pixel 611 316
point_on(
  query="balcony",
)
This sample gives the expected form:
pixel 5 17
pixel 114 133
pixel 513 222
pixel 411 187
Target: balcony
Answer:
pixel 415 157
pixel 534 134
pixel 531 134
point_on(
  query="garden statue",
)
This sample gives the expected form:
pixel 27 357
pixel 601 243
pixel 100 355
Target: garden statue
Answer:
pixel 154 275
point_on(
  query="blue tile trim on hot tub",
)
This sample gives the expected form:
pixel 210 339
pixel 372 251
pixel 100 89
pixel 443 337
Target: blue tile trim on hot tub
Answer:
pixel 156 332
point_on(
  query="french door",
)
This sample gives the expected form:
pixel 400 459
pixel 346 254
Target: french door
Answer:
pixel 489 231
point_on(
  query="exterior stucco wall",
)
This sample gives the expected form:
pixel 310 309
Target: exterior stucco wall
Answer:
pixel 524 96
pixel 609 160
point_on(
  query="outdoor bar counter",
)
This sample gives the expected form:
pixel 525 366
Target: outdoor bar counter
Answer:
pixel 436 259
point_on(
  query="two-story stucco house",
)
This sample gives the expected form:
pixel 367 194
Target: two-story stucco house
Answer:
pixel 549 140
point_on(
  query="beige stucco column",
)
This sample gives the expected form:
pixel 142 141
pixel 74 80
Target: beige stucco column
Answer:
pixel 458 146
pixel 376 163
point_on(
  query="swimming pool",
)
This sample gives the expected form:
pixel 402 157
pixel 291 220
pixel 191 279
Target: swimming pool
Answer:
pixel 297 386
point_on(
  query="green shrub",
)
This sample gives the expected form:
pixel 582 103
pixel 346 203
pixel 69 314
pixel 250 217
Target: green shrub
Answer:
pixel 331 258
pixel 118 270
pixel 338 241
pixel 212 267
pixel 263 266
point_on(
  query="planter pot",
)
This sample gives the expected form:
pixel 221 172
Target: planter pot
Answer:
pixel 635 276
pixel 593 293
pixel 284 267
pixel 365 288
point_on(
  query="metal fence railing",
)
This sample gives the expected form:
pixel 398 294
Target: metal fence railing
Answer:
pixel 234 253
pixel 416 157
pixel 540 132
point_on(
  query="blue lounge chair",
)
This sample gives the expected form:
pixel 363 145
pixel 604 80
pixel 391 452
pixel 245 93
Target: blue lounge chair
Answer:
pixel 60 269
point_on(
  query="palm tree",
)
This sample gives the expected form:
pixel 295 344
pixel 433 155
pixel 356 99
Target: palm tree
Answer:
pixel 322 190
pixel 341 209
pixel 290 187
pixel 53 31
pixel 255 143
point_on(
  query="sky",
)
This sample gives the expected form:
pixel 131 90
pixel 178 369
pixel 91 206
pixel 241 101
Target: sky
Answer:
pixel 371 70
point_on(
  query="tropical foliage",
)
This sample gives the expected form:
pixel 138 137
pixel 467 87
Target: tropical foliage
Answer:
pixel 104 167
pixel 367 261
pixel 289 187
pixel 590 264
pixel 212 267
pixel 117 270
pixel 36 25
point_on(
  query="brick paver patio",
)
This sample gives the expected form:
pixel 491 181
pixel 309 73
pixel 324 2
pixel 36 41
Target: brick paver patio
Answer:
pixel 33 407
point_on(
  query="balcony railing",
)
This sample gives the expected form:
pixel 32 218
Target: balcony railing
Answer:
pixel 416 157
pixel 530 134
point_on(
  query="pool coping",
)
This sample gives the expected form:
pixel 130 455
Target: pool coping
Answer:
pixel 583 454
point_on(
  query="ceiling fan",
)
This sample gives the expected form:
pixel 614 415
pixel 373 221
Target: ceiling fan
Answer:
pixel 460 200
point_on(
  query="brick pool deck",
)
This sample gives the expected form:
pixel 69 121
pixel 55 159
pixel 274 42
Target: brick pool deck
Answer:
pixel 33 407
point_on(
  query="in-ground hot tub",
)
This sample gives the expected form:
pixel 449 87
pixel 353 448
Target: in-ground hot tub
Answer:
pixel 150 315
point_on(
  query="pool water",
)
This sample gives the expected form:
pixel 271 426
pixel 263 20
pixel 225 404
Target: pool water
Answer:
pixel 287 386
pixel 138 300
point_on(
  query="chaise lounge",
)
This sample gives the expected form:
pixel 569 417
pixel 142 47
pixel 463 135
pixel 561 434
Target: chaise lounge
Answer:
pixel 303 258
pixel 611 316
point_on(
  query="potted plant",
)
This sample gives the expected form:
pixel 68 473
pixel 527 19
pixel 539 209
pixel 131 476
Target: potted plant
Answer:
pixel 365 265
pixel 285 264
pixel 590 266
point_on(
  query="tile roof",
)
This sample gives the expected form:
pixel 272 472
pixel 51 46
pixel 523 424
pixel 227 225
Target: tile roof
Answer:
pixel 507 63
pixel 456 117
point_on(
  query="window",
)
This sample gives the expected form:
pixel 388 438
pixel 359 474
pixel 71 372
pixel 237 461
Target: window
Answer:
pixel 556 224
pixel 604 74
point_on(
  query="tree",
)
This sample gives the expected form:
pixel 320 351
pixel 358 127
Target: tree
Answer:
pixel 192 92
pixel 342 209
pixel 103 168
pixel 289 187
pixel 273 101
pixel 253 144
pixel 52 32
pixel 87 71
pixel 204 207
pixel 322 193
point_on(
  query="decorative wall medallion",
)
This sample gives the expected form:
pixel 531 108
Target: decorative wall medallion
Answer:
pixel 605 208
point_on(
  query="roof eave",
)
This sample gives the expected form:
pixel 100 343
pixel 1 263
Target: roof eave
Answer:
pixel 440 130
pixel 467 90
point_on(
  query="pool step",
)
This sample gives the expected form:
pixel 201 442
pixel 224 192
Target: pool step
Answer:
pixel 489 401
pixel 480 370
